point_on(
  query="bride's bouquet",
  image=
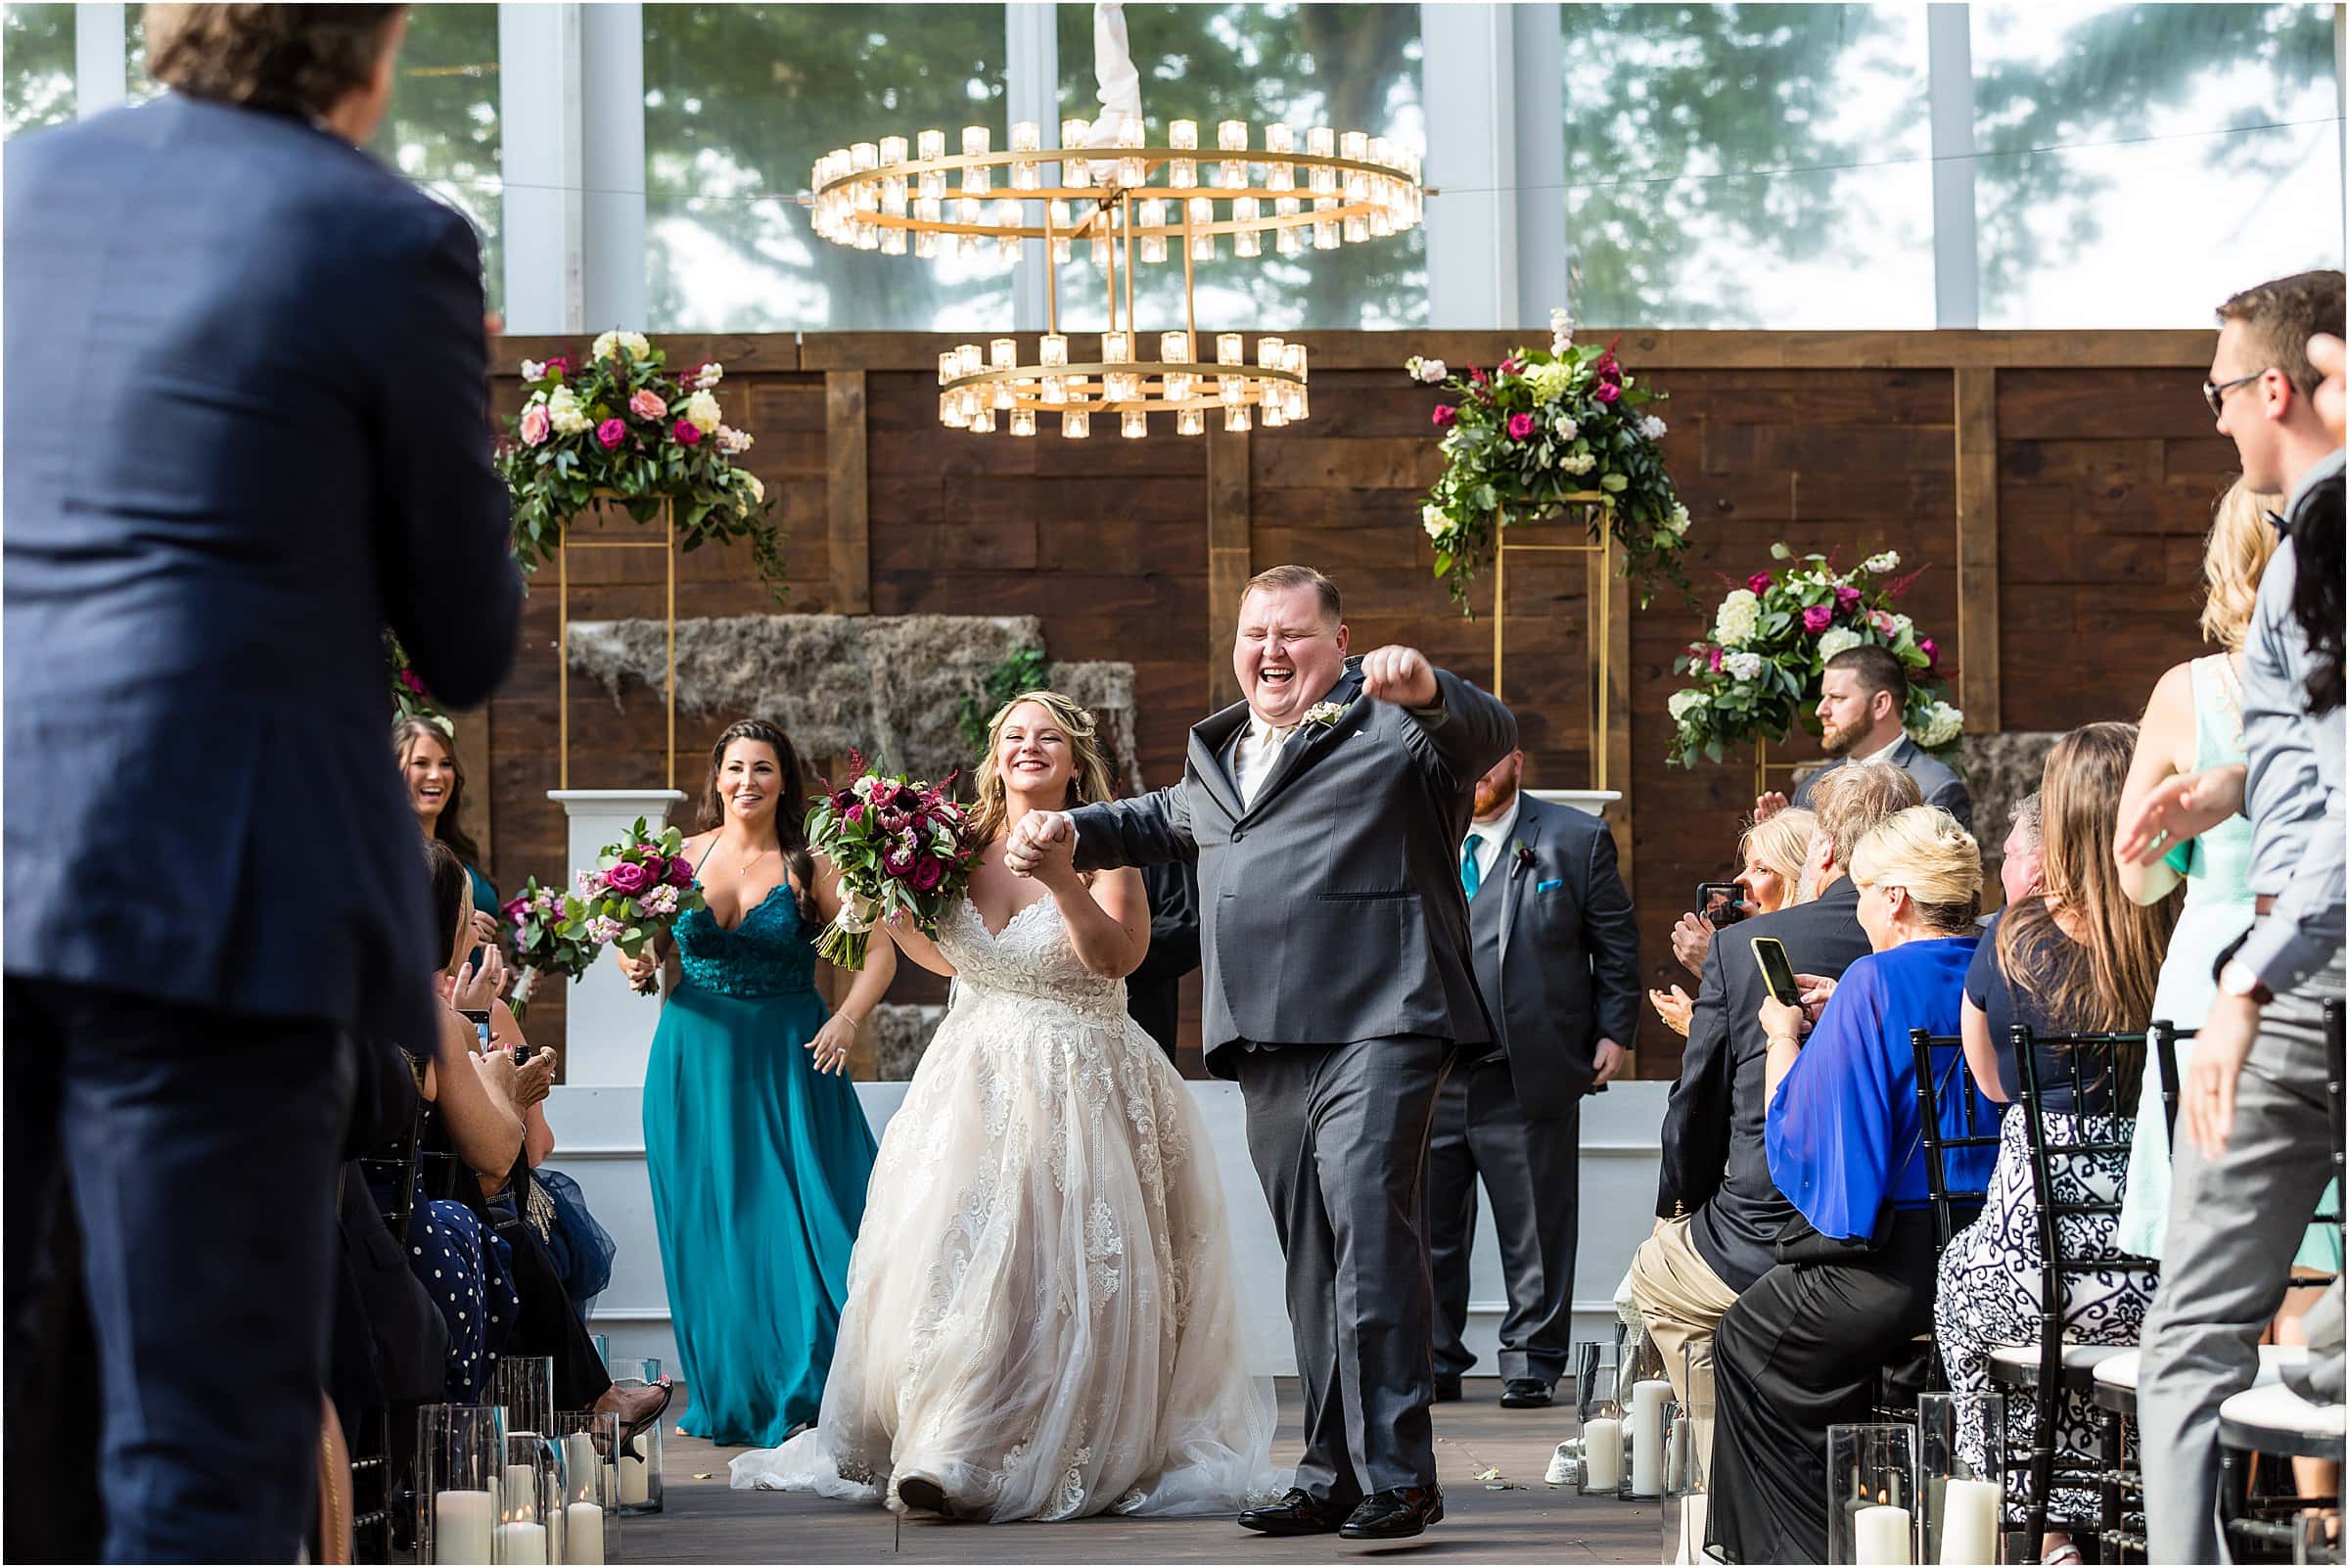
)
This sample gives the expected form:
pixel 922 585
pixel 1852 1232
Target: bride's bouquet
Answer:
pixel 639 888
pixel 902 848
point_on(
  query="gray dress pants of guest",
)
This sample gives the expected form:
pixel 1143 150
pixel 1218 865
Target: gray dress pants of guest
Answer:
pixel 2236 1221
pixel 1338 1135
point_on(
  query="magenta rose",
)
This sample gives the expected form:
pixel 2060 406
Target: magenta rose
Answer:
pixel 687 432
pixel 1758 583
pixel 515 909
pixel 611 433
pixel 1520 425
pixel 645 403
pixel 1713 660
pixel 1444 414
pixel 926 875
pixel 1846 600
pixel 537 425
pixel 408 678
pixel 1818 619
pixel 1930 649
pixel 629 878
pixel 678 873
pixel 558 367
pixel 855 813
pixel 1606 391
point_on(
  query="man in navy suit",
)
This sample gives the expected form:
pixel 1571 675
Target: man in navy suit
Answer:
pixel 1557 962
pixel 247 430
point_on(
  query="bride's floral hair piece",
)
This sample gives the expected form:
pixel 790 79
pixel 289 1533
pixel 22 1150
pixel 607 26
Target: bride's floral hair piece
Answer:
pixel 1089 780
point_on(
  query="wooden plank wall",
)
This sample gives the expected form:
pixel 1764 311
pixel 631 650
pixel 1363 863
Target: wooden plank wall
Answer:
pixel 2083 463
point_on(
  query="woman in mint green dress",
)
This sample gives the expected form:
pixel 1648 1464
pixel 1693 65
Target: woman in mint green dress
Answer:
pixel 2196 721
pixel 759 1151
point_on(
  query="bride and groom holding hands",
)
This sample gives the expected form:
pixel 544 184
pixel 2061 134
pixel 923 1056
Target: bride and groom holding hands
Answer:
pixel 1047 1323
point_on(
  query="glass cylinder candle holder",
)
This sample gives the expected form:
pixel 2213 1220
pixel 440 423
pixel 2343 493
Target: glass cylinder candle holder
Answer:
pixel 1871 1493
pixel 1133 423
pixel 1684 1503
pixel 1076 170
pixel 1023 422
pixel 1075 425
pixel 460 1466
pixel 528 1498
pixel 1959 1503
pixel 525 1385
pixel 1190 422
pixel 1647 1418
pixel 1601 1412
pixel 585 1442
pixel 640 1459
pixel 1235 417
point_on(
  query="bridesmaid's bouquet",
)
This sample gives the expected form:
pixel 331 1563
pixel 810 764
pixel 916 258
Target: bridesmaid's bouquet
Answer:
pixel 902 848
pixel 550 937
pixel 639 888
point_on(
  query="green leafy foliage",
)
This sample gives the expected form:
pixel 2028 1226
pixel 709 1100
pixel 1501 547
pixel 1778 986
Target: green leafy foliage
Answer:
pixel 1023 670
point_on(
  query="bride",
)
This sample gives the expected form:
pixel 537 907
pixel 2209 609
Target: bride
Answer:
pixel 1041 1320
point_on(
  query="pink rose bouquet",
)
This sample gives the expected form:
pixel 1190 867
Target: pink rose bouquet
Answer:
pixel 550 937
pixel 903 848
pixel 639 888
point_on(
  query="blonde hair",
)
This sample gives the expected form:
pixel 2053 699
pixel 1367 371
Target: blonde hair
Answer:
pixel 1923 850
pixel 1089 780
pixel 1850 800
pixel 2242 540
pixel 1782 842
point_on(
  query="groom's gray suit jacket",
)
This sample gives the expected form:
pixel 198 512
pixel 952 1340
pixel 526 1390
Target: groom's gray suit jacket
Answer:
pixel 1331 909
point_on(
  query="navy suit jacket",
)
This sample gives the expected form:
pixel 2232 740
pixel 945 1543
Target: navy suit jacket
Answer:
pixel 246 429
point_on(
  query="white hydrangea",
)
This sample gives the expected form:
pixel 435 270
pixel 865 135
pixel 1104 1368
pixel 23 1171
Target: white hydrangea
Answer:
pixel 1738 619
pixel 562 408
pixel 1838 639
pixel 701 412
pixel 1889 561
pixel 1653 428
pixel 1680 704
pixel 1578 463
pixel 731 441
pixel 1940 726
pixel 1566 428
pixel 1743 666
pixel 1550 381
pixel 533 369
pixel 1432 519
pixel 1562 332
pixel 633 341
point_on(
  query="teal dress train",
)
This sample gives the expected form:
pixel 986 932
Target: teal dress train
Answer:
pixel 758 1168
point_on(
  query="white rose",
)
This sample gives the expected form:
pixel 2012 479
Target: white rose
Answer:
pixel 1578 463
pixel 1738 619
pixel 1652 428
pixel 1433 371
pixel 564 411
pixel 1683 703
pixel 1838 639
pixel 701 412
pixel 1678 521
pixel 1566 428
pixel 1432 517
pixel 1940 726
pixel 1743 666
pixel 1881 564
pixel 633 341
pixel 533 369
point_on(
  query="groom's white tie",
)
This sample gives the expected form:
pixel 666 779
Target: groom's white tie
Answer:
pixel 1258 754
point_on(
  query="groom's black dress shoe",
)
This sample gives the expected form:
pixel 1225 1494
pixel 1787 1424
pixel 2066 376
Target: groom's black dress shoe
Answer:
pixel 1395 1515
pixel 1300 1513
pixel 1525 1393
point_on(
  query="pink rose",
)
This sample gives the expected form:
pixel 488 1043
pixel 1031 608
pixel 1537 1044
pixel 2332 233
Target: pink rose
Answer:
pixel 1444 414
pixel 855 813
pixel 1520 425
pixel 687 432
pixel 678 873
pixel 537 427
pixel 629 878
pixel 1930 649
pixel 611 433
pixel 1881 619
pixel 1606 391
pixel 558 367
pixel 647 404
pixel 1758 583
pixel 1846 599
pixel 1818 619
pixel 515 909
pixel 927 874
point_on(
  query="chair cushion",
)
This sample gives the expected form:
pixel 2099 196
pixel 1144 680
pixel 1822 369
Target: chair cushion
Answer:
pixel 2274 1407
pixel 2008 1360
pixel 2120 1371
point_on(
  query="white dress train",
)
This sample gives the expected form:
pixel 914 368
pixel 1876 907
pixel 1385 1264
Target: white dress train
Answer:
pixel 1041 1315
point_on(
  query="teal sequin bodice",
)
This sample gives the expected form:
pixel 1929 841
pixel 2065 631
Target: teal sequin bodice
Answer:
pixel 767 955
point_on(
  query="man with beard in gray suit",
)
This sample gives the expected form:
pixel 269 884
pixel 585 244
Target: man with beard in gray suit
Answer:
pixel 1325 813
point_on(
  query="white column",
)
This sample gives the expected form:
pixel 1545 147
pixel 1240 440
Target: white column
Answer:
pixel 1031 91
pixel 608 1029
pixel 1950 96
pixel 101 57
pixel 612 86
pixel 1539 69
pixel 539 115
pixel 1469 86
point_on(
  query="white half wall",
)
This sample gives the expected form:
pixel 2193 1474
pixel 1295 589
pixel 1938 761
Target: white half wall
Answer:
pixel 599 1140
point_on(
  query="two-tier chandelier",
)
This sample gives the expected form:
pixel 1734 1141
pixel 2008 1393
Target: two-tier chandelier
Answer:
pixel 1126 204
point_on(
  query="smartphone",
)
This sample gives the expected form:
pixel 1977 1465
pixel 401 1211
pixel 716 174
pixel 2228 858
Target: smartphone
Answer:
pixel 1777 975
pixel 480 1020
pixel 1721 903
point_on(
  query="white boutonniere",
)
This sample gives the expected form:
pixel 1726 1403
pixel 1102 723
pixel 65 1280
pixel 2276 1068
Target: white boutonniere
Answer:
pixel 1326 714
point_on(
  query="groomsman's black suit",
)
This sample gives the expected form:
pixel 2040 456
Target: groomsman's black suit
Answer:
pixel 1557 962
pixel 1154 991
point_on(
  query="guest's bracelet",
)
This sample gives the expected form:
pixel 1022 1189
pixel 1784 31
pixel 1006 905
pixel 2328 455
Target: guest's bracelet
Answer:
pixel 1776 1040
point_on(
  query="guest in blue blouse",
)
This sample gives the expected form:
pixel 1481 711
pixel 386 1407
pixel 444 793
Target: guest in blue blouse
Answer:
pixel 1854 1285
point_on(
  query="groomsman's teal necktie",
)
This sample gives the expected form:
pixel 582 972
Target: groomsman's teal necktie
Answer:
pixel 1470 881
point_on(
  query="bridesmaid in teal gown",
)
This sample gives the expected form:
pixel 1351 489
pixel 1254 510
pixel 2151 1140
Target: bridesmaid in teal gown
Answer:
pixel 759 1150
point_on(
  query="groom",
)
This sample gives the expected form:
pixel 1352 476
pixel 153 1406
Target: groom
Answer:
pixel 1325 814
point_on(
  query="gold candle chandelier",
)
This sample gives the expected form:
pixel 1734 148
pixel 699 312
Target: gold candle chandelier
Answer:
pixel 1128 204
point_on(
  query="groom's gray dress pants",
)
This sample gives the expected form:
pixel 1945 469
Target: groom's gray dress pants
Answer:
pixel 1339 1134
pixel 2235 1224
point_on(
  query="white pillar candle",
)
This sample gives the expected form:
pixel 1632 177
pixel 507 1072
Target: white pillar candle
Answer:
pixel 1880 1534
pixel 635 1489
pixel 1602 1454
pixel 520 1492
pixel 522 1543
pixel 583 1525
pixel 461 1527
pixel 1969 1522
pixel 1648 1398
pixel 1691 1547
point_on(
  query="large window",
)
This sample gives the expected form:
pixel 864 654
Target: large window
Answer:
pixel 37 68
pixel 1748 165
pixel 2137 163
pixel 740 100
pixel 1347 66
pixel 443 131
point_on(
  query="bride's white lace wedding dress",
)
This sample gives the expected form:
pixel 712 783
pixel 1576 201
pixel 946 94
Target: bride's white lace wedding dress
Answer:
pixel 1041 1317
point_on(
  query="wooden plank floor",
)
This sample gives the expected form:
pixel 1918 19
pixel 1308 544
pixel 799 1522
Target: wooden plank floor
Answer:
pixel 1517 1518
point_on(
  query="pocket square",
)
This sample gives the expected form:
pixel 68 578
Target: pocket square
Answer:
pixel 1551 886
